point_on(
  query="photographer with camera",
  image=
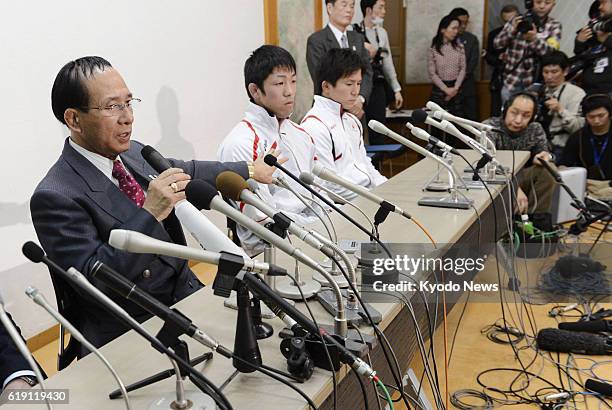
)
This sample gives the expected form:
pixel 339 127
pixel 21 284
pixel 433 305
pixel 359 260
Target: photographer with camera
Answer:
pixel 385 87
pixel 593 45
pixel 526 38
pixel 559 102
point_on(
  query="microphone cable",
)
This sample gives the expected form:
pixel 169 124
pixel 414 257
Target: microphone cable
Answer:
pixel 381 336
pixel 324 344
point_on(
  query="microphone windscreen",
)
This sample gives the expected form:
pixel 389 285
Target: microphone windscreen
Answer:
pixel 230 184
pixel 564 341
pixel 200 193
pixel 157 161
pixel 33 252
pixel 307 178
pixel 592 326
pixel 419 116
pixel 270 160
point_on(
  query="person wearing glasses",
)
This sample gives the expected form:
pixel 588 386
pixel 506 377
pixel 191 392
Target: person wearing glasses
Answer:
pixel 101 182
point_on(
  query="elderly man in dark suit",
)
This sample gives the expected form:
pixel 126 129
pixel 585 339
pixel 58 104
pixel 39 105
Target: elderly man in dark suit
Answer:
pixel 100 183
pixel 337 35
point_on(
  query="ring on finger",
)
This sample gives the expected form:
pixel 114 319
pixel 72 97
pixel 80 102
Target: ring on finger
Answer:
pixel 174 187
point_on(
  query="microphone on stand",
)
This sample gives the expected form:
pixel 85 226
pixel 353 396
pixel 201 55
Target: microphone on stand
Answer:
pixel 40 300
pixel 452 201
pixel 233 186
pixel 271 160
pixel 204 196
pixel 35 253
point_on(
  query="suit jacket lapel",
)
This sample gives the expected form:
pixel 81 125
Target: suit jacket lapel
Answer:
pixel 102 191
pixel 331 38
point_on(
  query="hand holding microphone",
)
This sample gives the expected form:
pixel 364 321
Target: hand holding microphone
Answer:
pixel 165 191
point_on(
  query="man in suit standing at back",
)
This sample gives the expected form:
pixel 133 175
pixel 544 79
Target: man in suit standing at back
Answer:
pixel 337 35
pixel 102 182
pixel 472 58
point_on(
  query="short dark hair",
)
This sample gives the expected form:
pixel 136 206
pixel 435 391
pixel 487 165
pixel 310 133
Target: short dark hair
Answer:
pixel 595 101
pixel 509 8
pixel 365 4
pixel 69 90
pixel 336 64
pixel 330 2
pixel 555 57
pixel 262 62
pixel 458 12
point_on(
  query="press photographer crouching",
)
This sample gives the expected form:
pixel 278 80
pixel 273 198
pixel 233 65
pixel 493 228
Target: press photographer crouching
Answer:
pixel 519 131
pixel 593 50
pixel 559 102
pixel 588 148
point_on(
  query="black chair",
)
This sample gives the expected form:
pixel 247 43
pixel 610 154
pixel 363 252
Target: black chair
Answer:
pixel 67 305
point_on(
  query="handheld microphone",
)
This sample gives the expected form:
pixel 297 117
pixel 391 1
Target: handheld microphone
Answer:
pixel 40 300
pixel 21 346
pixel 136 242
pixel 204 196
pixel 564 341
pixel 324 173
pixel 591 326
pixel 201 228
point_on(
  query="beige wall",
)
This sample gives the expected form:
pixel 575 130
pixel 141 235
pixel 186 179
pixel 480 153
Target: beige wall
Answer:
pixel 184 59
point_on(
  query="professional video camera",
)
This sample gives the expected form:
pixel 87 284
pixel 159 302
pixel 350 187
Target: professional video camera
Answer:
pixel 530 19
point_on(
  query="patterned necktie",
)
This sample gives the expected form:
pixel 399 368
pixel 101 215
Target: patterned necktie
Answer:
pixel 127 184
pixel 344 41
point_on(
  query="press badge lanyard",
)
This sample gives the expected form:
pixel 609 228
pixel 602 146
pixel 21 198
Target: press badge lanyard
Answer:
pixel 597 155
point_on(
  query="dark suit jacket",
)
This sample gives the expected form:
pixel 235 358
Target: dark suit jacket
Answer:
pixel 75 207
pixel 320 42
pixel 11 360
pixel 472 57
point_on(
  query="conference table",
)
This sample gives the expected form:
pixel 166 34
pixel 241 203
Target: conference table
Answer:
pixel 89 382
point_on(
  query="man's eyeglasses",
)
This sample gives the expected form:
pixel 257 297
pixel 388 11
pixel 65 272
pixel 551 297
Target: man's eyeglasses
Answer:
pixel 115 110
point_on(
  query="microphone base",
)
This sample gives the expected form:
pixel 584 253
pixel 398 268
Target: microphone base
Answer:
pixel 195 400
pixel 339 279
pixel 369 252
pixel 288 289
pixel 469 184
pixel 437 187
pixel 354 343
pixel 497 180
pixel 354 316
pixel 445 202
